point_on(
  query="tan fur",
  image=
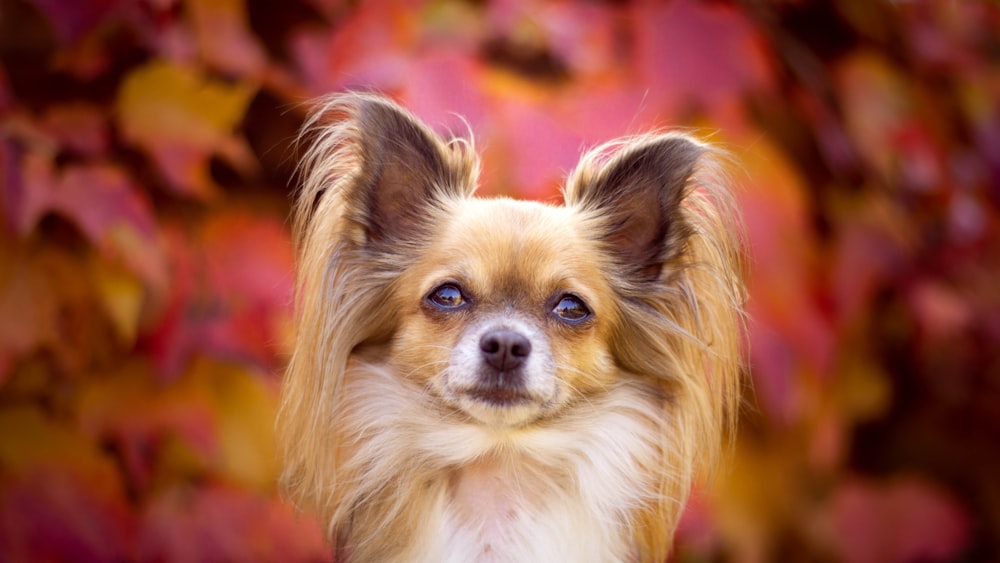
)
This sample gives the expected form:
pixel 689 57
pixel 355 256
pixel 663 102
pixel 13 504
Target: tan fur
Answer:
pixel 379 437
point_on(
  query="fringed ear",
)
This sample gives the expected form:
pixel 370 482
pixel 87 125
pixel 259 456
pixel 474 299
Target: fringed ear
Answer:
pixel 638 193
pixel 373 178
pixel 404 168
pixel 389 168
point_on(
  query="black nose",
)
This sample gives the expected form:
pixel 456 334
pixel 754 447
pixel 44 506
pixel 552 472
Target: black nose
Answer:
pixel 504 349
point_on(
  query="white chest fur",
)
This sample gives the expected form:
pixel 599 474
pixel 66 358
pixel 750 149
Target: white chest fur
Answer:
pixel 561 491
pixel 499 511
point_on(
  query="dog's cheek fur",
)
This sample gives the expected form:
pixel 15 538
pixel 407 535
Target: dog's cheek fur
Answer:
pixel 422 344
pixel 584 362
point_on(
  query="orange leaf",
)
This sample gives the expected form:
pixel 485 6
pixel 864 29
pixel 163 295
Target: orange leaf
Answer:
pixel 158 429
pixel 28 307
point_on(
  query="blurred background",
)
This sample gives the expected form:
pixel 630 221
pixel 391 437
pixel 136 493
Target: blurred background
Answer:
pixel 146 173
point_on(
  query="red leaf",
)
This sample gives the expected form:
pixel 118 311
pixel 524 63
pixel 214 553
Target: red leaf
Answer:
pixel 598 114
pixel 444 85
pixel 906 519
pixel 51 516
pixel 72 19
pixel 221 524
pixel 82 128
pixel 61 498
pixel 584 35
pixel 862 259
pixel 230 295
pixel 367 50
pixel 940 312
pixel 104 203
pixel 12 189
pixel 539 148
pixel 28 307
pixel 154 426
pixel 790 335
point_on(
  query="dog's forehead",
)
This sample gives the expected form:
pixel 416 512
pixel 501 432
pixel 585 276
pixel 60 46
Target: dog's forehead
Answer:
pixel 504 231
pixel 517 246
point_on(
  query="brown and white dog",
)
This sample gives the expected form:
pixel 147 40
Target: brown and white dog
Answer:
pixel 498 380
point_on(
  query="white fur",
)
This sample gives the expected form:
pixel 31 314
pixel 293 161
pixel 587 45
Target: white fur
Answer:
pixel 465 366
pixel 558 492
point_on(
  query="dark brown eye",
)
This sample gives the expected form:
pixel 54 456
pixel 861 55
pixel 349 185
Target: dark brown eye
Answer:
pixel 571 309
pixel 447 297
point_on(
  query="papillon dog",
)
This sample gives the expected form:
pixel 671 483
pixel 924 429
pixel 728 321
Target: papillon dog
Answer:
pixel 487 379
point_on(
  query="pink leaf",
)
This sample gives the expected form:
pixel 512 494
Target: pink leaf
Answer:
pixel 366 50
pixel 539 148
pixel 444 85
pixel 224 37
pixel 696 52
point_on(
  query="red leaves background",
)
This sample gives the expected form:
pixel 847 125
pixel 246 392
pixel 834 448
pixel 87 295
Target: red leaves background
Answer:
pixel 146 168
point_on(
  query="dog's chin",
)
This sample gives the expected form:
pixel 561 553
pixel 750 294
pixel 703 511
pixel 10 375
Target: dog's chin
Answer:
pixel 501 407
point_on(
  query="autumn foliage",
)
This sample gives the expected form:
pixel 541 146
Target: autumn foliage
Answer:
pixel 147 165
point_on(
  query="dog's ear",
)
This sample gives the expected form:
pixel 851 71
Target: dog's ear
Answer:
pixel 404 169
pixel 637 194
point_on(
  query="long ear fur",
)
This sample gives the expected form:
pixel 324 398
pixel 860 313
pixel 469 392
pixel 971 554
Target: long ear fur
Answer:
pixel 372 175
pixel 670 230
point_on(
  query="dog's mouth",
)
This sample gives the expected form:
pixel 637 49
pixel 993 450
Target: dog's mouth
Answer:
pixel 500 405
pixel 499 396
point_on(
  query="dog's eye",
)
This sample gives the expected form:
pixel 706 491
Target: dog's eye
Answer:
pixel 571 309
pixel 447 296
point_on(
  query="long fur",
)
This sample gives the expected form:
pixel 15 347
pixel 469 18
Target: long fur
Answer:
pixel 395 473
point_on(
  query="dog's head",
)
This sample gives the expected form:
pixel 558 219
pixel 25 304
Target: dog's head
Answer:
pixel 509 310
pixel 458 313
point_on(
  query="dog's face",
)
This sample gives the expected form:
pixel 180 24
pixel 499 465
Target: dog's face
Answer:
pixel 505 310
pixel 507 314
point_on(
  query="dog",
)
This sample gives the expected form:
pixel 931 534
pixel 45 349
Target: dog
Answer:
pixel 487 379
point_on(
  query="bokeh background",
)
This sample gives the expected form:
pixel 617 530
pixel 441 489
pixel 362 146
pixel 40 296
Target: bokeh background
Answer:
pixel 146 173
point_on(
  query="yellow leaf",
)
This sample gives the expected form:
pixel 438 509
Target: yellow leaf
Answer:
pixel 30 441
pixel 162 101
pixel 181 117
pixel 121 295
pixel 245 409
